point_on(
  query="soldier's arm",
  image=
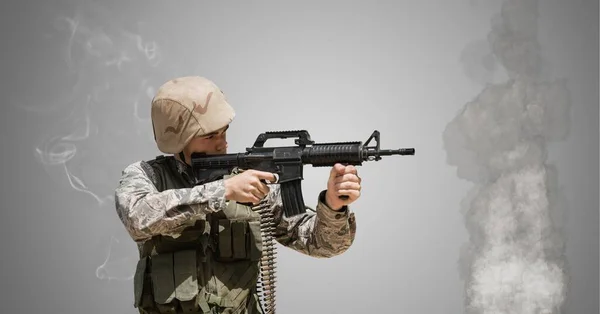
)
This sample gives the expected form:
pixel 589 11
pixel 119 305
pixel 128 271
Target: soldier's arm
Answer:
pixel 146 212
pixel 324 233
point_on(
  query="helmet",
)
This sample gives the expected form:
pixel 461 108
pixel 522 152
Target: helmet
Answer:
pixel 186 107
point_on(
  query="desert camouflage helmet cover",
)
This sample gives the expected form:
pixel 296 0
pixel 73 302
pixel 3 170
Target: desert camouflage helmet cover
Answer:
pixel 186 107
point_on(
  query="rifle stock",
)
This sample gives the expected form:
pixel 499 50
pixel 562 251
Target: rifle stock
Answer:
pixel 288 161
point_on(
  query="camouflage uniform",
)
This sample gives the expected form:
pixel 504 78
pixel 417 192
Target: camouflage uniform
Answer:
pixel 166 211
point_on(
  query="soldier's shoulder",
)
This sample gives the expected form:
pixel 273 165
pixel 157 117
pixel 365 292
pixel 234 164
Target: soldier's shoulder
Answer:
pixel 140 167
pixel 146 165
pixel 139 171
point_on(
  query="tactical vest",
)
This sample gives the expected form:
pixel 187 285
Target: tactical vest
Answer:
pixel 213 267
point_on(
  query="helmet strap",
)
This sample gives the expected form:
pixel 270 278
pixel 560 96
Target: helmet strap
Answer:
pixel 182 156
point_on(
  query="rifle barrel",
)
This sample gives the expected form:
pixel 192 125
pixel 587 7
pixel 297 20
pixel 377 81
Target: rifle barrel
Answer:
pixel 401 151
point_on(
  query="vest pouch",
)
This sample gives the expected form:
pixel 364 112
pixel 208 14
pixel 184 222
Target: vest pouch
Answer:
pixel 185 273
pixel 190 239
pixel 230 286
pixel 175 281
pixel 163 282
pixel 237 240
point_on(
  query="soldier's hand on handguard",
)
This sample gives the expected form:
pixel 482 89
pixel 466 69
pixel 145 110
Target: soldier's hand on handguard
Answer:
pixel 343 180
pixel 247 186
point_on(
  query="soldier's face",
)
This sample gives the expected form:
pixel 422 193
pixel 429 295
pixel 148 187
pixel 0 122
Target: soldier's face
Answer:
pixel 214 143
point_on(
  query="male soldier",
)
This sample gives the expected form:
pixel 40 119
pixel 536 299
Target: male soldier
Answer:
pixel 199 241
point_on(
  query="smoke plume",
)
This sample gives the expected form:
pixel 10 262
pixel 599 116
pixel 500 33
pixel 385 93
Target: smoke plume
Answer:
pixel 110 68
pixel 514 261
pixel 112 71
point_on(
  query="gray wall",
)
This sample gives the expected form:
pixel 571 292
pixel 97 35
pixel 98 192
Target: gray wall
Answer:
pixel 501 111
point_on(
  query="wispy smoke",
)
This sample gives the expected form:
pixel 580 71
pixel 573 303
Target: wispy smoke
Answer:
pixel 57 150
pixel 116 265
pixel 111 67
pixel 107 64
pixel 514 262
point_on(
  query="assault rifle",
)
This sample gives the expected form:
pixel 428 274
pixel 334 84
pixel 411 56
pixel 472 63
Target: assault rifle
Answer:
pixel 287 162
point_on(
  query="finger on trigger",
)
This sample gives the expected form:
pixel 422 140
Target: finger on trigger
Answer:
pixel 268 176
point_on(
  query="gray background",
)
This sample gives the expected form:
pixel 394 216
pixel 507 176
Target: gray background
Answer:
pixel 79 75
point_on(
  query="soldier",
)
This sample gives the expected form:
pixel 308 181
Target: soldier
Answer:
pixel 199 242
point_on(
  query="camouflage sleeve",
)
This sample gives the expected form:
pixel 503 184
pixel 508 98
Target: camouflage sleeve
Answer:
pixel 146 212
pixel 324 233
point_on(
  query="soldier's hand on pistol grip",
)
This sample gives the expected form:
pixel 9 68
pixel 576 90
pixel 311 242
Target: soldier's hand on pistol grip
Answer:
pixel 343 186
pixel 248 186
